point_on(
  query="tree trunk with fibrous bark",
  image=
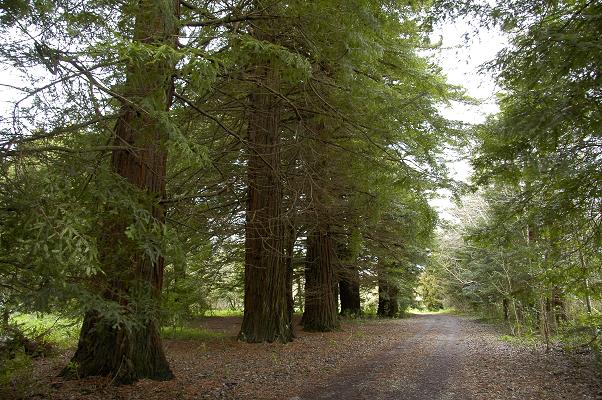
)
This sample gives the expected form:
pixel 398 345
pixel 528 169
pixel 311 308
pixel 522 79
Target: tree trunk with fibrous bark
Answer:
pixel 131 349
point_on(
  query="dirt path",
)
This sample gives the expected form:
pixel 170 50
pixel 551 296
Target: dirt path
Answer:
pixel 426 357
pixel 447 357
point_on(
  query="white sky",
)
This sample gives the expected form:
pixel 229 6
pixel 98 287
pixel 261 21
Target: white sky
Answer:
pixel 460 61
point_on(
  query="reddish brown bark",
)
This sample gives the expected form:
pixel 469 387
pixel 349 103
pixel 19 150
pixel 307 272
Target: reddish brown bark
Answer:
pixel 388 297
pixel 131 349
pixel 320 284
pixel 267 315
pixel 349 284
pixel 289 249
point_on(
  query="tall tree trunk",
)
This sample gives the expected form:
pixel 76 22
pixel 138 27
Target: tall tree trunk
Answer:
pixel 544 322
pixel 349 276
pixel 517 318
pixel 300 293
pixel 267 315
pixel 384 302
pixel 388 297
pixel 558 307
pixel 320 284
pixel 131 349
pixel 349 285
pixel 290 247
pixel 588 298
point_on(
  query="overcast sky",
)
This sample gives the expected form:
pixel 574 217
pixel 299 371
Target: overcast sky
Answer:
pixel 461 60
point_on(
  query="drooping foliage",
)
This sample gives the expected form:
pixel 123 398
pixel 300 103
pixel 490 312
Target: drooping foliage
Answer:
pixel 533 253
pixel 159 158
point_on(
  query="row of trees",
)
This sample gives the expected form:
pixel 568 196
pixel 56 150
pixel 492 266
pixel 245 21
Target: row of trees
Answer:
pixel 529 245
pixel 155 145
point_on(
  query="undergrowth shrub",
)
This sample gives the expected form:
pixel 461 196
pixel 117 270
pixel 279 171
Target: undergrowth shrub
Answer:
pixel 18 348
pixel 583 332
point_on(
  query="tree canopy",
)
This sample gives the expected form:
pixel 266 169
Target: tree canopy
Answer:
pixel 159 158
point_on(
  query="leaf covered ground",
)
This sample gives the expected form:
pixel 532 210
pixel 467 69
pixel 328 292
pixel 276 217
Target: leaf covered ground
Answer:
pixel 422 357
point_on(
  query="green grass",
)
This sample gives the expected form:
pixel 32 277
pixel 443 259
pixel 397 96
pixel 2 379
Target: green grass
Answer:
pixel 363 319
pixel 529 340
pixel 50 332
pixel 59 331
pixel 359 334
pixel 189 333
pixel 224 313
pixel 63 333
pixel 16 376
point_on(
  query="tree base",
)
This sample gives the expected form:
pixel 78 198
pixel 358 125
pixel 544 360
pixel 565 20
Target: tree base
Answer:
pixel 351 313
pixel 321 328
pixel 270 330
pixel 314 323
pixel 126 355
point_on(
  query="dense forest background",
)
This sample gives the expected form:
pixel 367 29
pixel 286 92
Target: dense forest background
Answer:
pixel 163 158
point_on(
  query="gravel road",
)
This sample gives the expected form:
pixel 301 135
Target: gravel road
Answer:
pixel 444 357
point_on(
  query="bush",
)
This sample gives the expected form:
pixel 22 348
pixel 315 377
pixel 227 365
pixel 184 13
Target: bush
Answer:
pixel 14 341
pixel 584 332
pixel 15 375
pixel 17 349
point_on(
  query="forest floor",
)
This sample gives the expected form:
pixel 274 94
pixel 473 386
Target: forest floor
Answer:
pixel 424 357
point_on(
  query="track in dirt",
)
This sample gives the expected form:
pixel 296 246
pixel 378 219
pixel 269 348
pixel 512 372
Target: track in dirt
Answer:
pixel 445 357
pixel 418 368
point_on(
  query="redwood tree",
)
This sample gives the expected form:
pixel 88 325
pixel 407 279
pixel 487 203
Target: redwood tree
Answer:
pixel 349 282
pixel 267 315
pixel 320 283
pixel 349 289
pixel 129 347
pixel 388 292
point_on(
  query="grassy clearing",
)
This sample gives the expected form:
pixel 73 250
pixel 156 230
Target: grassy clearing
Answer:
pixel 64 333
pixel 50 334
pixel 61 332
pixel 224 313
